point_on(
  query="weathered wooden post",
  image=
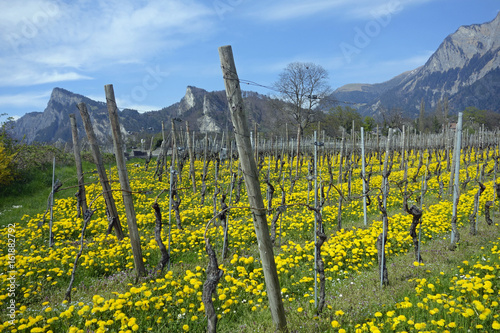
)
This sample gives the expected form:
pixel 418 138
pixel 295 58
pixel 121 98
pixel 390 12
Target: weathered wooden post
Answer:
pixel 242 135
pixel 382 238
pixel 82 200
pixel 103 177
pixel 298 152
pixel 128 201
pixel 191 158
pixel 341 193
pixel 455 235
pixel 51 222
pixel 363 175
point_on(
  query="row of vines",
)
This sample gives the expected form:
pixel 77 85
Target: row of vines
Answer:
pixel 195 227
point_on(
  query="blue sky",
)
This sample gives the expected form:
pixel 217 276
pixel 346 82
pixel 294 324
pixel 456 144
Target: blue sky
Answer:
pixel 152 50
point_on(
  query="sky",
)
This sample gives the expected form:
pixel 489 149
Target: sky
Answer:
pixel 151 50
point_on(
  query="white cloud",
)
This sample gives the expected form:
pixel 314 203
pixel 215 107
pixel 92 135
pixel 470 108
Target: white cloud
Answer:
pixel 286 10
pixel 52 41
pixel 124 104
pixel 380 71
pixel 347 9
pixel 409 63
pixel 35 100
pixel 14 73
pixel 127 103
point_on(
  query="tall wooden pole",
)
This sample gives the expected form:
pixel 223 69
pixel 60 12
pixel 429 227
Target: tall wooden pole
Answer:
pixel 298 153
pixel 364 175
pixel 103 177
pixel 191 158
pixel 250 172
pixel 51 222
pixel 455 236
pixel 128 201
pixel 78 161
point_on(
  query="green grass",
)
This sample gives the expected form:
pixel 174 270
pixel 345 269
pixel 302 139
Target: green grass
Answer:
pixel 29 194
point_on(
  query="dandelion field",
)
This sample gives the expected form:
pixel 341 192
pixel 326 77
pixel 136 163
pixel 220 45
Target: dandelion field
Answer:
pixel 451 291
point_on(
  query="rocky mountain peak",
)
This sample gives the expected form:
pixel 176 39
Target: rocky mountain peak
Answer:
pixel 466 43
pixel 191 99
pixel 64 97
pixel 465 69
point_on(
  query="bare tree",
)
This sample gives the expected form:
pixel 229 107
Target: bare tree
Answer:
pixel 302 86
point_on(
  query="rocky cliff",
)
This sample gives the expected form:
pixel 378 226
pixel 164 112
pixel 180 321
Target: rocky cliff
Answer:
pixel 204 111
pixel 465 69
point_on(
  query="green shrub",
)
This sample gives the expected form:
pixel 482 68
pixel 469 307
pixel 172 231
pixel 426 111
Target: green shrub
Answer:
pixel 6 174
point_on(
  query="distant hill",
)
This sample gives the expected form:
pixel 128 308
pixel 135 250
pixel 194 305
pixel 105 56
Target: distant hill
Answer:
pixel 205 112
pixel 465 69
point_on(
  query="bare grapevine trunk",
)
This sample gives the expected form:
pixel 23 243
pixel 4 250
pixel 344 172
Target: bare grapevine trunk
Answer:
pixel 279 211
pixel 380 244
pixel 163 250
pixel 214 273
pixel 472 217
pixel 417 219
pixel 487 216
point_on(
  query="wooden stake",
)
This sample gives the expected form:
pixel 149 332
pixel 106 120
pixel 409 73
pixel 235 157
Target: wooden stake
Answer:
pixel 82 200
pixel 235 102
pixel 128 201
pixel 191 158
pixel 103 177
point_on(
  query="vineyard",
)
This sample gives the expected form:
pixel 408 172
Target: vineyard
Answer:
pixel 107 296
pixel 248 233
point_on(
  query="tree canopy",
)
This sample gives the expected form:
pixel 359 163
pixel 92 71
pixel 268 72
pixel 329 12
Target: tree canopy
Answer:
pixel 302 86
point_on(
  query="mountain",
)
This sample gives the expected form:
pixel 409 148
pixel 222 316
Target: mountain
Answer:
pixel 204 111
pixel 364 93
pixel 465 69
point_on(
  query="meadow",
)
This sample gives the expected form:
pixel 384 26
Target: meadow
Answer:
pixel 450 291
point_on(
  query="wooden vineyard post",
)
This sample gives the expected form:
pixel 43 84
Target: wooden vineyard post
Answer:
pixel 256 144
pixel 341 193
pixel 298 153
pixel 382 238
pixel 363 175
pixel 249 168
pixel 51 222
pixel 191 158
pixel 82 201
pixel 128 201
pixel 106 187
pixel 175 152
pixel 315 220
pixel 455 236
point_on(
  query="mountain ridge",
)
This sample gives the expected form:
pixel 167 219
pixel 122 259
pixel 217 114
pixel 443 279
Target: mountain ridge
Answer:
pixel 455 70
pixel 465 69
pixel 204 111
